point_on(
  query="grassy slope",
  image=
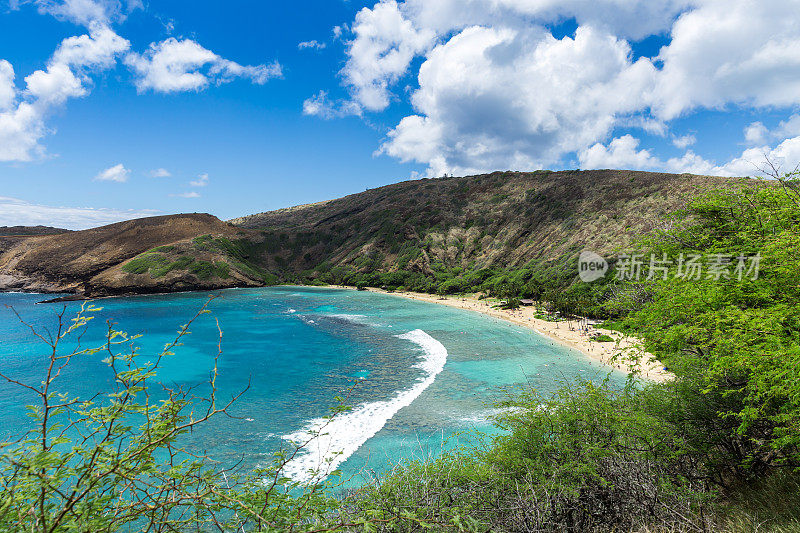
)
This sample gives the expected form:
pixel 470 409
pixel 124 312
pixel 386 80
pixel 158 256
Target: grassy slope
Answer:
pixel 430 229
pixel 500 219
pixel 92 261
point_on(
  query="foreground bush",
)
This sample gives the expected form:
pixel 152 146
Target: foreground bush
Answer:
pixel 116 461
pixel 586 459
pixel 737 336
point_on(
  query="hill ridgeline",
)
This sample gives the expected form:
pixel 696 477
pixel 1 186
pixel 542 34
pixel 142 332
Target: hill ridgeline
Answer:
pixel 414 229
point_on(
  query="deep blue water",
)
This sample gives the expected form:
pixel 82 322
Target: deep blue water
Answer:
pixel 298 348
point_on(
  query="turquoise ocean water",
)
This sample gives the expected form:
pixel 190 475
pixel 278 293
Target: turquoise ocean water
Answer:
pixel 421 374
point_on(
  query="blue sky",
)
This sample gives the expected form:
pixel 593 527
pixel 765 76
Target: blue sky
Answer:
pixel 114 109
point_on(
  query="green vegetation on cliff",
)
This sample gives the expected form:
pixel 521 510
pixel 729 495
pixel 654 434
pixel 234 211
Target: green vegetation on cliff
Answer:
pixel 421 233
pixel 206 258
pixel 502 233
pixel 155 254
pixel 448 235
pixel 155 264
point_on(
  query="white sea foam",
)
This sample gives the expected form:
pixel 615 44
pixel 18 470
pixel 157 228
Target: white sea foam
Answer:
pixel 341 436
pixel 358 320
pixel 354 319
pixel 486 415
pixel 479 417
pixel 291 311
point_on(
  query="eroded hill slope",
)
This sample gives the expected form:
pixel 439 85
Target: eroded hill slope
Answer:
pixel 165 253
pixel 425 231
pixel 500 220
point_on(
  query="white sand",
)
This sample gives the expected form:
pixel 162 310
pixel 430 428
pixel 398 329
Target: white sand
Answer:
pixel 625 353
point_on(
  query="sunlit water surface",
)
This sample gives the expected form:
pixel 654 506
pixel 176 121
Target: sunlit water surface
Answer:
pixel 419 374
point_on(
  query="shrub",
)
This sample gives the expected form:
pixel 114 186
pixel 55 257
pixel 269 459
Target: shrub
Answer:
pixel 511 303
pixel 738 339
pixel 206 270
pixel 586 459
pixel 116 461
pixel 182 263
pixel 143 263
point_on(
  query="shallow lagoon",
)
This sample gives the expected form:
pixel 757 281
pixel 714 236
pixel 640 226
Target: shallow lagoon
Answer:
pixel 420 373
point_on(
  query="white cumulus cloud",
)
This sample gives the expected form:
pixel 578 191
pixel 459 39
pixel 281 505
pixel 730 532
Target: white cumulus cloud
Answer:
pixel 160 173
pixel 722 52
pixel 684 141
pixel 98 50
pixel 168 66
pixel 788 128
pixel 629 19
pixel 388 36
pixel 201 181
pixel 8 91
pixel 321 106
pixel 23 111
pixel 624 152
pixel 176 65
pixel 84 12
pixel 756 133
pixel 495 88
pixel 117 173
pixel 313 45
pixel 385 43
pixel 504 98
pixel 54 86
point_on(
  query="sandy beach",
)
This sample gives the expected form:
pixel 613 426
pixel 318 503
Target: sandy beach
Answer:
pixel 624 354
